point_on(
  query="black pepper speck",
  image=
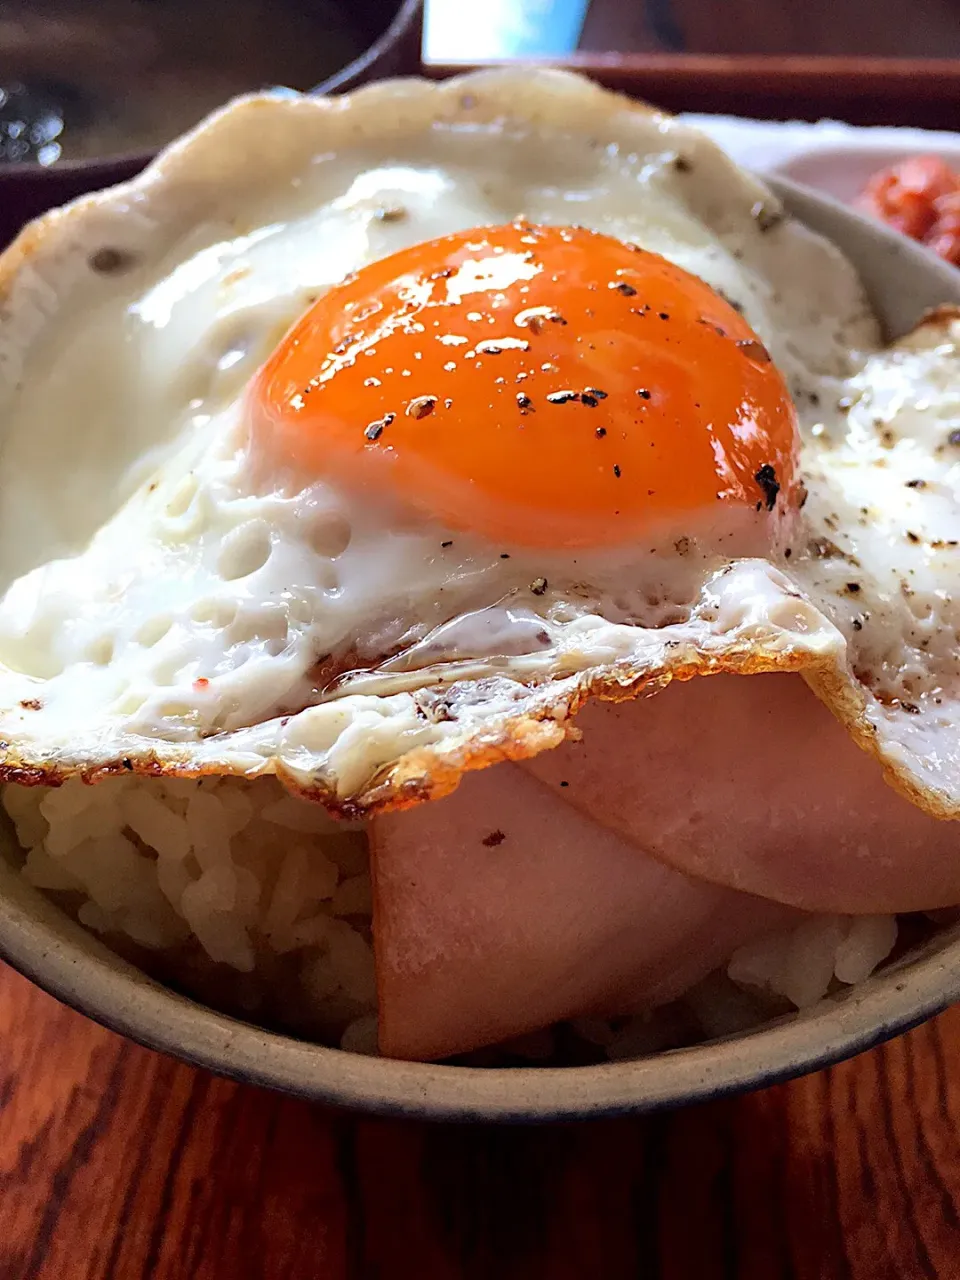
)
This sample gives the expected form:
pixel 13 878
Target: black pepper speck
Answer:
pixel 766 478
pixel 754 350
pixel 765 217
pixel 421 407
pixel 374 430
pixel 110 261
pixel 731 302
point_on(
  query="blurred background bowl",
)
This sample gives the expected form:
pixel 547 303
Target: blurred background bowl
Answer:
pixel 90 89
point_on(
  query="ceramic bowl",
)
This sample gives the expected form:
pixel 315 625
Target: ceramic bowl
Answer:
pixel 844 170
pixel 903 281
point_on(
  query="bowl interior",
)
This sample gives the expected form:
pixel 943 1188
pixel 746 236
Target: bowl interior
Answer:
pixel 903 281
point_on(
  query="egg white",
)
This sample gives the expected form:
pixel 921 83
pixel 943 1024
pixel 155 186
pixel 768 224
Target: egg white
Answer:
pixel 163 605
pixel 879 555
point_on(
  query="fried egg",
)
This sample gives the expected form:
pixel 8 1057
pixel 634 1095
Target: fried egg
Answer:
pixel 361 440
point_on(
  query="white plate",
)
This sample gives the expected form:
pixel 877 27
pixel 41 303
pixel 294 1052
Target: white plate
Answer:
pixel 843 172
pixel 837 159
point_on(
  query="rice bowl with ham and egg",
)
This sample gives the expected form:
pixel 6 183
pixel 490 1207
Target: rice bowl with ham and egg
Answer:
pixel 273 905
pixel 508 471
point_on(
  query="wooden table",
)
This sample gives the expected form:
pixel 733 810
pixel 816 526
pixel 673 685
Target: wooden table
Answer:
pixel 866 61
pixel 119 1164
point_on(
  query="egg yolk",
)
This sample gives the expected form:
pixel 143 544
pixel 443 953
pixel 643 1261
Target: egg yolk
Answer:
pixel 540 386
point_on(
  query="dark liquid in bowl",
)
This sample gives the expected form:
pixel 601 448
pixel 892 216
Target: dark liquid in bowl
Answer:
pixel 89 78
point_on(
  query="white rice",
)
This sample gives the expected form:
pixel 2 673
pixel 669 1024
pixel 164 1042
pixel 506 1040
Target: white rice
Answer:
pixel 252 898
pixel 259 903
pixel 801 965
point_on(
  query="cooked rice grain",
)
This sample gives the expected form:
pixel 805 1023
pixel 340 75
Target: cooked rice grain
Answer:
pixel 258 902
pixel 238 869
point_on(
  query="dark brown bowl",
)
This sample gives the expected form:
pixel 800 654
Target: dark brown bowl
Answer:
pixel 27 190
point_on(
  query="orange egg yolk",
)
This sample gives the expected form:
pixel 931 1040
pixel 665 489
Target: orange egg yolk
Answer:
pixel 540 386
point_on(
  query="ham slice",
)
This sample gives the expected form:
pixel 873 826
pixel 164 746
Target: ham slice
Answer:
pixel 501 909
pixel 751 783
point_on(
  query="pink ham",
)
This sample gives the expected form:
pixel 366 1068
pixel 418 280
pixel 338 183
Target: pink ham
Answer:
pixel 500 910
pixel 751 783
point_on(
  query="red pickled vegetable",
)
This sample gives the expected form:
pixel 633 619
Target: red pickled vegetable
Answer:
pixel 921 198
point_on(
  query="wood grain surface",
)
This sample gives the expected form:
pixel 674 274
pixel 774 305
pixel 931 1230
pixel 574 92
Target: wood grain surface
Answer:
pixel 924 28
pixel 865 61
pixel 119 1164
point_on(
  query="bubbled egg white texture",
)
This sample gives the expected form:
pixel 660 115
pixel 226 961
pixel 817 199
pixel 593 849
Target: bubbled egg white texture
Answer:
pixel 879 551
pixel 164 601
